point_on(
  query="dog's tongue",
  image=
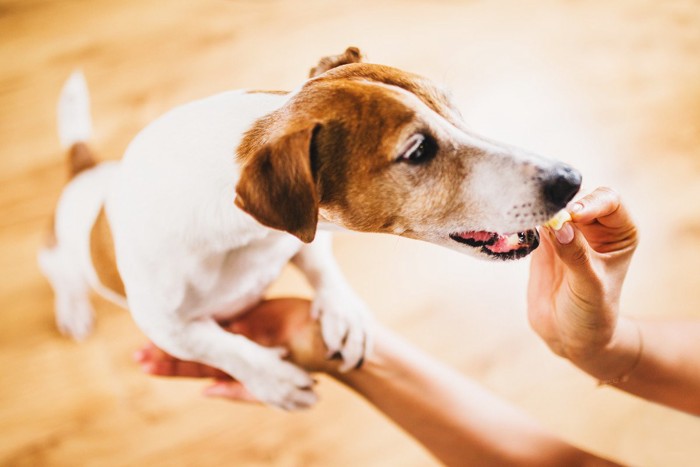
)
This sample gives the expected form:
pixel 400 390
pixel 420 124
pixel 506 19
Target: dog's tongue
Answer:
pixel 494 242
pixel 479 236
pixel 504 244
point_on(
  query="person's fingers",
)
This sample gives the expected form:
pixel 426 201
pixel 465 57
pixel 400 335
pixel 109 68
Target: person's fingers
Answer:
pixel 572 248
pixel 183 369
pixel 232 390
pixel 154 361
pixel 540 284
pixel 605 221
pixel 150 353
pixel 542 267
pixel 147 353
pixel 584 282
pixel 603 205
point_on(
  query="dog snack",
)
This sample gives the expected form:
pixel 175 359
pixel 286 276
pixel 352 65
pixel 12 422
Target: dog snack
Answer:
pixel 558 220
pixel 513 240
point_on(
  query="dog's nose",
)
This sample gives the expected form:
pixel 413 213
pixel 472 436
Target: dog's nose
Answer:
pixel 560 185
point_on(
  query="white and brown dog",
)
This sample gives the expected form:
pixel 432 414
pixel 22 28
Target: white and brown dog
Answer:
pixel 212 199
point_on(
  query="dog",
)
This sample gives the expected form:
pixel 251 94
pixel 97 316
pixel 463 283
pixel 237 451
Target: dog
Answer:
pixel 214 198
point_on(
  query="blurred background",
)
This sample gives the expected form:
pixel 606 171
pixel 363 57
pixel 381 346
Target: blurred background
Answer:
pixel 612 88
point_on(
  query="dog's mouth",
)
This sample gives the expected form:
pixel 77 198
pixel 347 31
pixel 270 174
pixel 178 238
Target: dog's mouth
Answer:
pixel 500 246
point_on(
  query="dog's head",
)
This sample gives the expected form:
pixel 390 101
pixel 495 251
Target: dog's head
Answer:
pixel 375 149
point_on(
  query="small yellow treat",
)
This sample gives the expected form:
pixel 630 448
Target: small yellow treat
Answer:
pixel 557 222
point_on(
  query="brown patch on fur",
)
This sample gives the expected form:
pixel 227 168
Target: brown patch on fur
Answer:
pixel 80 158
pixel 353 120
pixel 433 96
pixel 351 55
pixel 103 256
pixel 281 190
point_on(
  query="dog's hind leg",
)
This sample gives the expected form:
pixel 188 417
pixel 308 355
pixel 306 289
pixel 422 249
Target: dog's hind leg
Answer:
pixel 60 259
pixel 66 258
pixel 74 313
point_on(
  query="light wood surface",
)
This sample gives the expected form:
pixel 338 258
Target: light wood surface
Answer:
pixel 611 87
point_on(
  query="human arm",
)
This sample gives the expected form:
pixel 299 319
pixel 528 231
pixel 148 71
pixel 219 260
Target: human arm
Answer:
pixel 573 304
pixel 453 417
pixel 457 420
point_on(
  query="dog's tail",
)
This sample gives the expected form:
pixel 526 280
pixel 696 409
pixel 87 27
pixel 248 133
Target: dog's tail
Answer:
pixel 75 124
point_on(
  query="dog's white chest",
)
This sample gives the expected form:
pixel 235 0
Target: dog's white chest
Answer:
pixel 222 285
pixel 174 221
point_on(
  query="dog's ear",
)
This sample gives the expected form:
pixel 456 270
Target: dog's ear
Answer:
pixel 351 55
pixel 277 185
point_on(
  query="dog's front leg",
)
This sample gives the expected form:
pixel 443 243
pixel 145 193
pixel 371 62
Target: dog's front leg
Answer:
pixel 343 315
pixel 260 369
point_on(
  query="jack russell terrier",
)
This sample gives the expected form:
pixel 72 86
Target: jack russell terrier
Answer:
pixel 212 199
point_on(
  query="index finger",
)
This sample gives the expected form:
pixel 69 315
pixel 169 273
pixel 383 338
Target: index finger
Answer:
pixel 604 206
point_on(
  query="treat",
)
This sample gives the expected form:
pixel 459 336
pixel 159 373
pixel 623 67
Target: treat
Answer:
pixel 513 240
pixel 557 222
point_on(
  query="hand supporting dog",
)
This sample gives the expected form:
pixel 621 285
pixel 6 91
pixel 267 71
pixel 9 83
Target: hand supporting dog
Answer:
pixel 454 418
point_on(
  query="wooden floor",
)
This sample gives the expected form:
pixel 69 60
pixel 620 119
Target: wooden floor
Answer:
pixel 611 87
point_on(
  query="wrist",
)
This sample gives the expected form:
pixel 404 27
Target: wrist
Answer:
pixel 376 362
pixel 614 362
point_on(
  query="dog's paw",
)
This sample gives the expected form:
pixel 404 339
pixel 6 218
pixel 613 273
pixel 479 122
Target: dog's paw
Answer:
pixel 279 383
pixel 345 325
pixel 74 317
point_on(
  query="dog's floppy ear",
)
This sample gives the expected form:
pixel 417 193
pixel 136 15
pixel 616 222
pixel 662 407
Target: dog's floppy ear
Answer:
pixel 277 185
pixel 351 55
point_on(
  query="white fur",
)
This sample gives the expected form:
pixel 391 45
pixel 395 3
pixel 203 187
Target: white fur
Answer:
pixel 74 122
pixel 188 256
pixel 68 265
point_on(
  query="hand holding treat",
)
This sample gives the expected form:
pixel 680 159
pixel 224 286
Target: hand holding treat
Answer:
pixel 557 222
pixel 575 281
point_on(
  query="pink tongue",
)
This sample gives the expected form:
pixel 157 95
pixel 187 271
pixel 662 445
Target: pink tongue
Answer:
pixel 478 236
pixel 501 245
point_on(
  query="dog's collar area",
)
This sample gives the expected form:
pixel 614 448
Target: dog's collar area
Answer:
pixel 500 246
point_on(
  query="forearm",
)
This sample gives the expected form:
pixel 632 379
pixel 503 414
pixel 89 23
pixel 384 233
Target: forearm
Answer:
pixel 665 362
pixel 453 417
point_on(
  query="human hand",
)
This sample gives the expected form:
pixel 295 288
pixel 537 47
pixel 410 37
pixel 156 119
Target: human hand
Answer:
pixel 576 278
pixel 284 322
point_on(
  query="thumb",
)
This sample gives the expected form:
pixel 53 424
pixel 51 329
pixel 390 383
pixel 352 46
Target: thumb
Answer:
pixel 572 248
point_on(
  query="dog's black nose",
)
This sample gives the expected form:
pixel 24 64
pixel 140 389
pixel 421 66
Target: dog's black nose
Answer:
pixel 560 185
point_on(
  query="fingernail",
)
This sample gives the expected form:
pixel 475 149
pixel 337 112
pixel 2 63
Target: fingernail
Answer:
pixel 148 368
pixel 575 207
pixel 565 235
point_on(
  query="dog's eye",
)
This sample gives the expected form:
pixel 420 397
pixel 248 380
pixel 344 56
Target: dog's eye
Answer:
pixel 419 148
